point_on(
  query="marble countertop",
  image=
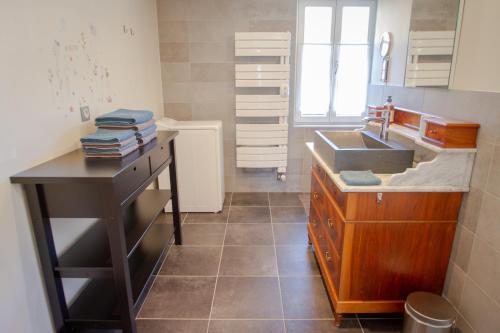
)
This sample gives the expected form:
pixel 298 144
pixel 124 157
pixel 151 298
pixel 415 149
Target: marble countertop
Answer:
pixel 412 185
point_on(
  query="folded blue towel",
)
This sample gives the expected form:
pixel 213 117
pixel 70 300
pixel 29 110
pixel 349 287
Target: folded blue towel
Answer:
pixel 145 132
pixel 124 117
pixel 360 178
pixel 107 136
pixel 111 150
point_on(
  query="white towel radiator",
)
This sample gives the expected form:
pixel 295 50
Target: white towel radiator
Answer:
pixel 429 43
pixel 263 145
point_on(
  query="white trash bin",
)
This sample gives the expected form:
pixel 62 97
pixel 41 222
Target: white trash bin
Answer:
pixel 199 164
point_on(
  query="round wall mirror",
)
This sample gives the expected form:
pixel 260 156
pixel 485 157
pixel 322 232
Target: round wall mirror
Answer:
pixel 385 44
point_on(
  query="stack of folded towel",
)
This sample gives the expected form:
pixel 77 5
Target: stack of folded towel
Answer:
pixel 141 122
pixel 119 133
pixel 109 143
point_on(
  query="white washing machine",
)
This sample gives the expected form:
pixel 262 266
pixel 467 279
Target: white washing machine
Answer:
pixel 199 163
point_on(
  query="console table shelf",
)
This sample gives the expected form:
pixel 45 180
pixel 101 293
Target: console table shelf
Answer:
pixel 125 246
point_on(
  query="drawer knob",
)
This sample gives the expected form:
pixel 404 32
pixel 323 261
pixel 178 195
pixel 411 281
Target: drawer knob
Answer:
pixel 135 168
pixel 315 195
pixel 330 223
pixel 433 131
pixel 328 257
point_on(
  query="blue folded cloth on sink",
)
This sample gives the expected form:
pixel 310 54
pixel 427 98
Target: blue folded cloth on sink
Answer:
pixel 124 117
pixel 360 178
pixel 106 136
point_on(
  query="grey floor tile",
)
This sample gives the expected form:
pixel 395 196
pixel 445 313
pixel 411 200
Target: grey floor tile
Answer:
pixel 220 217
pixel 285 199
pixel 305 298
pixel 248 260
pixel 171 326
pixel 227 198
pixel 192 260
pixel 250 199
pixel 322 326
pixel 247 297
pixel 381 325
pixel 290 234
pixel 288 215
pixel 249 234
pixel 203 234
pixel 296 260
pixel 179 297
pixel 242 214
pixel 246 326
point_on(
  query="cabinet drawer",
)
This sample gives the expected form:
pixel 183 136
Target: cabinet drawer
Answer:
pixel 320 172
pixel 332 260
pixel 317 230
pixel 131 178
pixel 339 196
pixel 334 226
pixel 159 156
pixel 435 132
pixel 317 194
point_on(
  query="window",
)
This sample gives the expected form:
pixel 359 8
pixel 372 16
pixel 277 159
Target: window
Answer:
pixel 335 39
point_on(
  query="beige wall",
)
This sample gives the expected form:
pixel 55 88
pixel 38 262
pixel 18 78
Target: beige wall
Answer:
pixel 56 56
pixel 473 277
pixel 197 54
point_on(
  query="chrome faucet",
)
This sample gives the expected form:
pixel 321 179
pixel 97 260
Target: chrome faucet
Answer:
pixel 384 121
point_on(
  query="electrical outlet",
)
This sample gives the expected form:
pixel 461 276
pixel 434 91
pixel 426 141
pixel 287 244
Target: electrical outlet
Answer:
pixel 85 113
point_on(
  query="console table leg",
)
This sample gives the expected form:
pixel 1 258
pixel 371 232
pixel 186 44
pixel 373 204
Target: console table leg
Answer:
pixel 117 245
pixel 338 319
pixel 47 254
pixel 175 197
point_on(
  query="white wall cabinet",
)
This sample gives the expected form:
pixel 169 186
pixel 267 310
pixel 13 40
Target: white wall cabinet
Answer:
pixel 477 64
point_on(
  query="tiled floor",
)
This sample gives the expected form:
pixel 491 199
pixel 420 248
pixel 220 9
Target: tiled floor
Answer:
pixel 247 269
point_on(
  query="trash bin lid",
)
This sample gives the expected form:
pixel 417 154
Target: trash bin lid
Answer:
pixel 431 309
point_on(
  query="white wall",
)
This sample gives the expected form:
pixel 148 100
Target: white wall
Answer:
pixel 56 56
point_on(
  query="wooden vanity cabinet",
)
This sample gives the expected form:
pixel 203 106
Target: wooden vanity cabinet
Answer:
pixel 374 249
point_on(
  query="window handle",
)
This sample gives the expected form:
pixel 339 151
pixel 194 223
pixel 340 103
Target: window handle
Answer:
pixel 336 67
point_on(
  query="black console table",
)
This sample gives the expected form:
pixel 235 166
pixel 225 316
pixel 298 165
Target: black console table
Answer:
pixel 122 250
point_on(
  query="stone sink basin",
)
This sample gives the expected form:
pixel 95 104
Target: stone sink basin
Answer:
pixel 361 150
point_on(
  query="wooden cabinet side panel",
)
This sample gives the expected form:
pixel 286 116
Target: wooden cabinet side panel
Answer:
pixel 387 261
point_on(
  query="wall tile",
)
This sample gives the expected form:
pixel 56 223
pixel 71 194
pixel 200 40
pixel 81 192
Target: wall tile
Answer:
pixel 471 206
pixel 484 268
pixel 212 91
pixel 463 326
pixel 178 111
pixel 172 10
pixel 273 25
pixel 177 92
pixel 174 52
pixel 276 9
pixel 462 246
pixel 454 284
pixel 482 164
pixel 176 72
pixel 494 174
pixel 209 72
pixel 489 220
pixel 210 53
pixel 479 309
pixel 210 9
pixel 173 31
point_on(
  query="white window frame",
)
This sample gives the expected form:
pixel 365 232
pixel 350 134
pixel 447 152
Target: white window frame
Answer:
pixel 331 118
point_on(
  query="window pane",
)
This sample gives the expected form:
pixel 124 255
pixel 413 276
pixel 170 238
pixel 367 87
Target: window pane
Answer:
pixel 315 77
pixel 352 80
pixel 355 25
pixel 318 25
